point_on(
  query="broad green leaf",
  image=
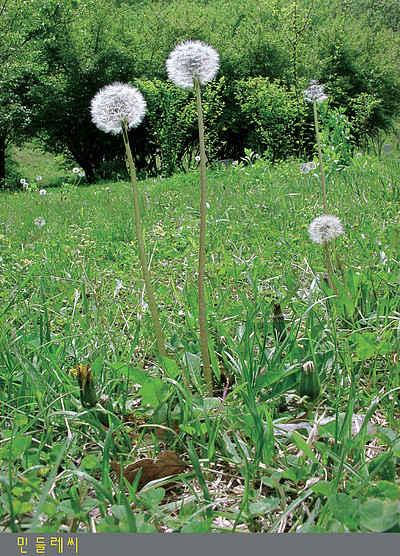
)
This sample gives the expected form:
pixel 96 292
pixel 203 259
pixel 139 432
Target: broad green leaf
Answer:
pixel 20 420
pixel 384 489
pixel 141 524
pixel 295 474
pixel 171 368
pixel 379 516
pixel 14 448
pixel 197 526
pixel 89 462
pixel 396 448
pixel 345 509
pixel 322 487
pixel 152 497
pixel 365 345
pixel 66 507
pixel 97 366
pixel 89 504
pixel 345 305
pixel 334 526
pixel 268 378
pixel 263 506
pixel 135 375
pixel 21 507
pixel 118 511
pixel 153 392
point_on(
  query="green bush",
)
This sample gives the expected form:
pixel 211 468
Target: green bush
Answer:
pixel 272 117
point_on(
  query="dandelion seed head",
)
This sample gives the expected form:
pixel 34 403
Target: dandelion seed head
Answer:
pixel 39 221
pixel 81 174
pixel 38 178
pixel 75 170
pixel 306 167
pixel 42 192
pixel 115 105
pixel 192 60
pixel 325 228
pixel 315 92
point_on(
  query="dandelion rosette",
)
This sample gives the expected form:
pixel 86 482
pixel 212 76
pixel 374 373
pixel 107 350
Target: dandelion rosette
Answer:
pixel 116 105
pixel 315 92
pixel 325 228
pixel 192 60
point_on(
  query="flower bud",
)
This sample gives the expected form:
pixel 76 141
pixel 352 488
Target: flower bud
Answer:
pixel 86 384
pixel 310 384
pixel 278 323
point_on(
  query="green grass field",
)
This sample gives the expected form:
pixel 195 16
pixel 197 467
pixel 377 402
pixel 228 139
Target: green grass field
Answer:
pixel 261 459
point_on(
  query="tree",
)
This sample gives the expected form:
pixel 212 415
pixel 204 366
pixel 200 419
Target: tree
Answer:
pixel 18 31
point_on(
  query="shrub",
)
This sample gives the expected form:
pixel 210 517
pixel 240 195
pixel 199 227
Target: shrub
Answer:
pixel 272 117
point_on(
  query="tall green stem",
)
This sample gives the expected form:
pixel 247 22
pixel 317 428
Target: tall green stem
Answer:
pixel 324 197
pixel 329 267
pixel 203 215
pixel 143 261
pixel 325 201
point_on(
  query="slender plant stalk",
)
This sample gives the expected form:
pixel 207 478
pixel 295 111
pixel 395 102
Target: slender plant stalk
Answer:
pixel 328 257
pixel 320 158
pixel 143 261
pixel 203 214
pixel 324 197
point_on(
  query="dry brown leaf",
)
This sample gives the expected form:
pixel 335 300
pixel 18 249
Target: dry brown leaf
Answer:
pixel 163 465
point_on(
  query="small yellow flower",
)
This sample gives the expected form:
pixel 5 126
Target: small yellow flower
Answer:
pixel 86 384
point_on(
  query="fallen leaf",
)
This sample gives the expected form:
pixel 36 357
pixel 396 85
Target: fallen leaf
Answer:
pixel 163 465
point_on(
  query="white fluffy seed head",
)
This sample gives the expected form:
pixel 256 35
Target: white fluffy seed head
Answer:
pixel 117 104
pixel 315 92
pixel 39 221
pixel 192 60
pixel 325 228
pixel 306 167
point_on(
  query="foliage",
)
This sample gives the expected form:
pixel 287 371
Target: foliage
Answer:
pixel 337 141
pixel 72 292
pixel 71 49
pixel 272 117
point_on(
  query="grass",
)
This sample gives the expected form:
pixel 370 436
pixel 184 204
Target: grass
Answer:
pixel 29 162
pixel 261 459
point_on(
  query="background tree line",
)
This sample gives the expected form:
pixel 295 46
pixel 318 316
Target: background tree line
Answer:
pixel 56 54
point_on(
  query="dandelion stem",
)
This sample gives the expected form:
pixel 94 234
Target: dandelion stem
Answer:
pixel 329 267
pixel 324 197
pixel 320 158
pixel 203 214
pixel 139 234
